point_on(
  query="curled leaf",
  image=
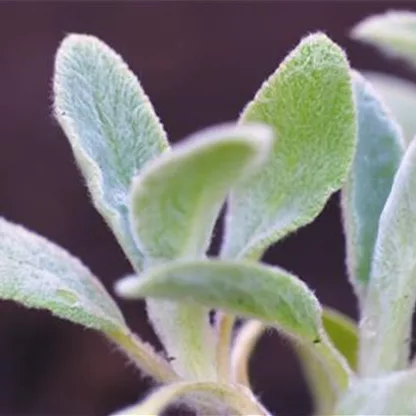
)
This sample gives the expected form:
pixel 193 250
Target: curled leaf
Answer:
pixel 175 202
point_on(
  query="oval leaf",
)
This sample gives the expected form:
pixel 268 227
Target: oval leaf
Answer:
pixel 392 32
pixel 379 151
pixel 385 327
pixel 248 289
pixel 309 103
pixel 392 395
pixel 110 124
pixel 400 97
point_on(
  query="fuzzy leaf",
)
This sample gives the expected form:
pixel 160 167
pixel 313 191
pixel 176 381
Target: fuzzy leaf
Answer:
pixel 392 32
pixel 392 395
pixel 248 289
pixel 237 400
pixel 175 203
pixel 309 103
pixel 177 198
pixel 379 151
pixel 400 97
pixel 385 327
pixel 110 124
pixel 39 274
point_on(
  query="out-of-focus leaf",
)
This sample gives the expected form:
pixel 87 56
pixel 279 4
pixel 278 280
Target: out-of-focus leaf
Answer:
pixel 385 327
pixel 400 98
pixel 379 151
pixel 392 32
pixel 110 124
pixel 269 294
pixel 309 103
pixel 392 395
pixel 344 335
pixel 239 401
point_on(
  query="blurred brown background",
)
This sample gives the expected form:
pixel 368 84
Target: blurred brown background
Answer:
pixel 200 62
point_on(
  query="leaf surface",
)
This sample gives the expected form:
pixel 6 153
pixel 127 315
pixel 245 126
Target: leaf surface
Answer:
pixel 309 103
pixel 379 151
pixel 110 124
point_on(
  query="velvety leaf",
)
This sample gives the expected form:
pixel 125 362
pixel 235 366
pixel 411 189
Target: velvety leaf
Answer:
pixel 247 289
pixel 392 32
pixel 385 327
pixel 237 400
pixel 38 274
pixel 392 395
pixel 110 124
pixel 309 103
pixel 177 198
pixel 379 151
pixel 175 203
pixel 400 98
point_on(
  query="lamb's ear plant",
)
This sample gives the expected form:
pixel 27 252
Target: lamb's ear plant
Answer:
pixel 315 127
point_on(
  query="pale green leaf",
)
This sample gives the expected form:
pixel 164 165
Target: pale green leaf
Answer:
pixel 393 394
pixel 247 289
pixel 400 97
pixel 174 205
pixel 38 274
pixel 379 151
pixel 110 124
pixel 176 199
pixel 309 103
pixel 393 32
pixel 225 397
pixel 385 327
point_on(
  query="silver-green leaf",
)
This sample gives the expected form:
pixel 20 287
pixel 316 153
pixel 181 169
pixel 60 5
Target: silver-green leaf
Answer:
pixel 385 327
pixel 400 98
pixel 38 274
pixel 392 395
pixel 309 103
pixel 392 32
pixel 379 151
pixel 248 289
pixel 110 124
